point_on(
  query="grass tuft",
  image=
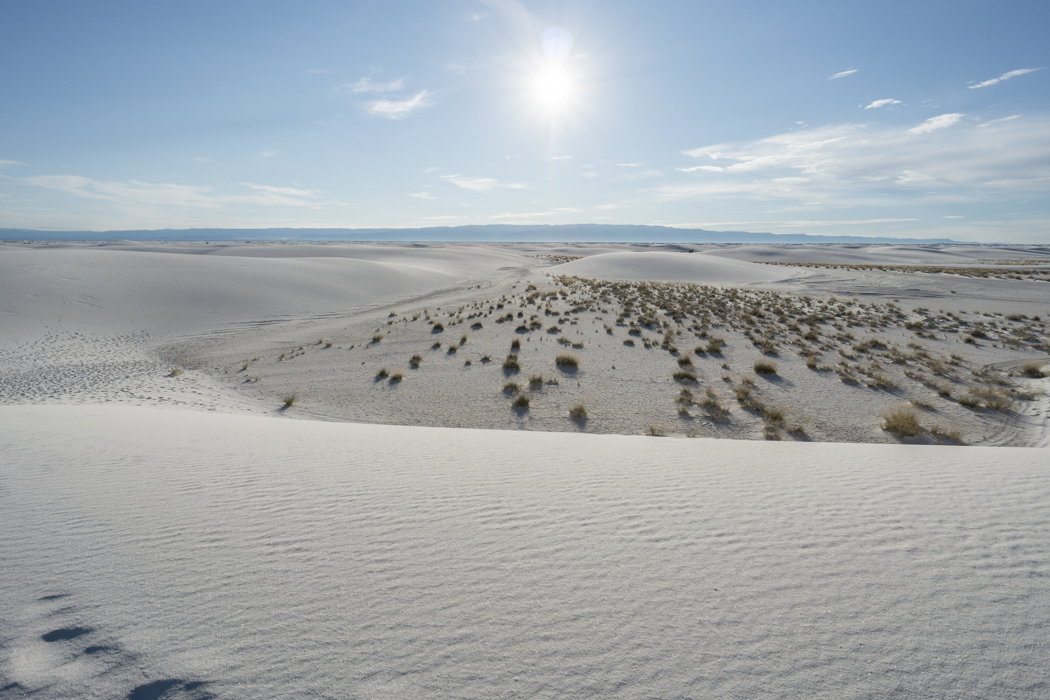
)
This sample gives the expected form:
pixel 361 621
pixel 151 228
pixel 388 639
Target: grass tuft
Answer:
pixel 765 367
pixel 902 422
pixel 567 360
pixel 578 413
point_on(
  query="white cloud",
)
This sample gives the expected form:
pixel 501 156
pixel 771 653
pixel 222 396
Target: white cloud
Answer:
pixel 480 184
pixel 842 74
pixel 708 168
pixel 883 103
pixel 628 165
pixel 953 217
pixel 850 164
pixel 421 195
pixel 398 109
pixel 939 122
pixel 1004 76
pixel 366 85
pixel 561 157
pixel 9 163
pixel 136 193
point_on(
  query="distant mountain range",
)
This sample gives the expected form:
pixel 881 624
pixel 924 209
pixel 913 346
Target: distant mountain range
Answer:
pixel 560 233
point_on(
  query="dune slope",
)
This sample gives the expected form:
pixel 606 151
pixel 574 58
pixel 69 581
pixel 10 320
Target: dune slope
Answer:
pixel 150 553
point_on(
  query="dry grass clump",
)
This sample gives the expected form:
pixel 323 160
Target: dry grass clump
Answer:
pixel 902 422
pixel 511 388
pixel 289 400
pixel 578 413
pixel 377 337
pixel 396 377
pixel 684 376
pixel 1035 370
pixel 415 361
pixel 438 328
pixel 383 373
pixel 765 367
pixel 511 364
pixel 567 360
pixel 175 371
pixel 522 402
pixel 515 344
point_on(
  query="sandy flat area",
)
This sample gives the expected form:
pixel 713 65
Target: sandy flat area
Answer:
pixel 369 470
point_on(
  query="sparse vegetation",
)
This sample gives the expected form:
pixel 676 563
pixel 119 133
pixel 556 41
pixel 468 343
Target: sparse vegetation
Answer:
pixel 511 364
pixel 567 360
pixel 522 402
pixel 765 367
pixel 175 372
pixel 578 413
pixel 902 422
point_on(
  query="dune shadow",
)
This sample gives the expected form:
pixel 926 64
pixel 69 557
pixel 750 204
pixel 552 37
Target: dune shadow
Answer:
pixel 170 689
pixel 65 634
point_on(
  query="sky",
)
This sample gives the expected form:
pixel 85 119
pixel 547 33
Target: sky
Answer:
pixel 904 119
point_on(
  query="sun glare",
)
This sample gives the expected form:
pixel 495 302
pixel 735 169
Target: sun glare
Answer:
pixel 554 86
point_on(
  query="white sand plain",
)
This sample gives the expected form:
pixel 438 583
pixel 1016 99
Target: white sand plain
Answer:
pixel 184 537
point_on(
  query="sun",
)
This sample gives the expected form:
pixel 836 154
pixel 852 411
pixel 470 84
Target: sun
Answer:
pixel 554 86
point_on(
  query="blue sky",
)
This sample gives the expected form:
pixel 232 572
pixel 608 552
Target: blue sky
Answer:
pixel 882 118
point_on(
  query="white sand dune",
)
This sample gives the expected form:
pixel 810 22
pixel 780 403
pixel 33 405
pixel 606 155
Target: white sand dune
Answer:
pixel 236 557
pixel 672 267
pixel 189 554
pixel 882 254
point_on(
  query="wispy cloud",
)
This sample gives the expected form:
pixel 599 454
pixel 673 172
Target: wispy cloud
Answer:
pixel 628 165
pixel 561 157
pixel 853 163
pixel 136 193
pixel 398 109
pixel 480 184
pixel 1004 76
pixel 942 121
pixel 883 103
pixel 842 74
pixel 9 163
pixel 366 85
pixel 421 195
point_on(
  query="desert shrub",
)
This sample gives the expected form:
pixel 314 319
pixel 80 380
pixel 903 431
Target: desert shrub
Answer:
pixel 629 343
pixel 522 402
pixel 382 374
pixel 578 413
pixel 289 400
pixel 377 337
pixel 511 388
pixel 394 378
pixel 567 360
pixel 511 364
pixel 765 367
pixel 175 371
pixel 476 326
pixel 515 344
pixel 535 381
pixel 902 422
pixel 438 328
pixel 684 376
pixel 684 361
pixel 436 346
pixel 415 361
pixel 1034 370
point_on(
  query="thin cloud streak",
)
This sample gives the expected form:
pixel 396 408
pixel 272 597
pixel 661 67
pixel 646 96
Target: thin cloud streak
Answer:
pixel 1004 76
pixel 398 109
pixel 366 85
pixel 883 103
pixel 842 74
pixel 136 193
pixel 940 122
pixel 480 184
